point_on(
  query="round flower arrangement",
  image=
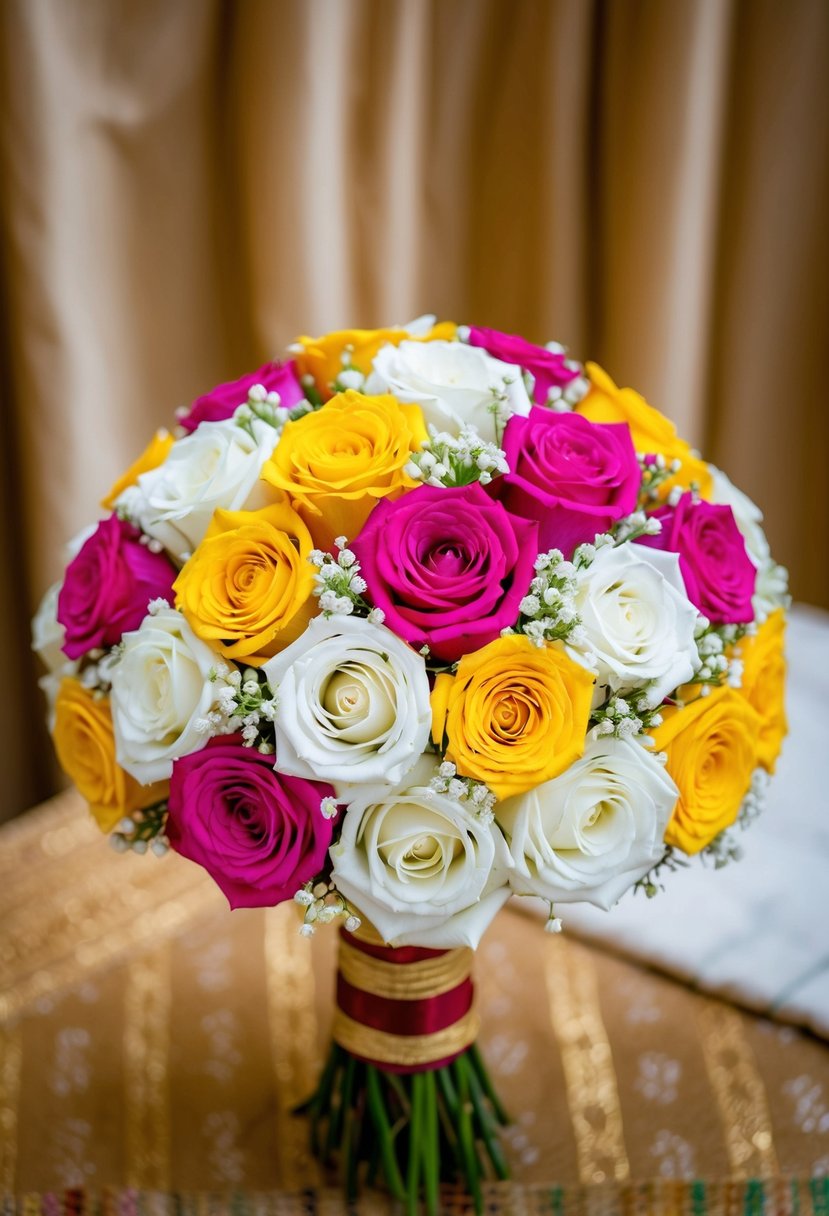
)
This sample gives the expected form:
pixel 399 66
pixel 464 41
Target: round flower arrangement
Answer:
pixel 419 619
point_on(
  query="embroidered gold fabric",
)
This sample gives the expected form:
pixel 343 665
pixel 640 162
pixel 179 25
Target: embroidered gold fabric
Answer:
pixel 150 1036
pixel 289 976
pixel 592 1091
pixel 739 1091
pixel 147 1065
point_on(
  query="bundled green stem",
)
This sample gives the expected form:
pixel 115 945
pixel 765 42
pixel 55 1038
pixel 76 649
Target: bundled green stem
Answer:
pixel 413 1130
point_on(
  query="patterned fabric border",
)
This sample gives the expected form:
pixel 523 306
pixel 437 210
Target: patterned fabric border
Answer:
pixel 753 1197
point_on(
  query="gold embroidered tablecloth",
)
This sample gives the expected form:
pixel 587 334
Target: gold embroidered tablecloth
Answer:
pixel 151 1039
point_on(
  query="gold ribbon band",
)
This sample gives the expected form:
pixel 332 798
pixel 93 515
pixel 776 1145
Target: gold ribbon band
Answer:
pixel 404 1050
pixel 405 981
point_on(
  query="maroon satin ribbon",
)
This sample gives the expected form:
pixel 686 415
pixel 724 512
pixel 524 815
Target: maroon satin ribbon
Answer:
pixel 392 1016
pixel 391 954
pixel 405 1017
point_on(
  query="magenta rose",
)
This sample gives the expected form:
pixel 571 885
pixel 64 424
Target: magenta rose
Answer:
pixel 547 367
pixel 223 400
pixel 575 477
pixel 260 835
pixel 448 567
pixel 718 573
pixel 108 585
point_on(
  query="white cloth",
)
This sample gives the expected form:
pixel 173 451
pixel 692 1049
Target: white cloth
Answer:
pixel 757 931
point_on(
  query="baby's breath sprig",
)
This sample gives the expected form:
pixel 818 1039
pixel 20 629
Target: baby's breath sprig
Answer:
pixel 754 802
pixel 499 406
pixel 312 394
pixel 304 407
pixel 350 377
pixel 560 399
pixel 243 702
pixel 548 610
pixel 456 460
pixel 264 407
pixel 323 904
pixel 124 510
pixel 726 847
pixel 261 406
pixel 142 829
pixel 655 471
pixel 553 923
pixel 723 850
pixel 584 554
pixel 719 656
pixel 339 585
pixel 255 708
pixel 476 797
pixel 631 527
pixel 772 590
pixel 650 883
pixel 565 399
pixel 95 672
pixel 625 717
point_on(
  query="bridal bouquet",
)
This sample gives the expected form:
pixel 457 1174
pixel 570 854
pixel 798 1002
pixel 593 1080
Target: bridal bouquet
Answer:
pixel 417 620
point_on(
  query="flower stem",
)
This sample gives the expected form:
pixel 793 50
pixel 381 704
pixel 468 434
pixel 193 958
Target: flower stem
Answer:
pixel 476 1060
pixel 467 1138
pixel 415 1145
pixel 383 1130
pixel 487 1123
pixel 411 1130
pixel 431 1145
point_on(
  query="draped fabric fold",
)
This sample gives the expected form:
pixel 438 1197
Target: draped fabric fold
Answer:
pixel 185 186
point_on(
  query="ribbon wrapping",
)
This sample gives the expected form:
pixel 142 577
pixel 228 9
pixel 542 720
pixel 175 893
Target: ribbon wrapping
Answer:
pixel 403 1009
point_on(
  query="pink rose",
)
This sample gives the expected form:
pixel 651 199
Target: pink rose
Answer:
pixel 718 573
pixel 448 567
pixel 107 587
pixel 547 367
pixel 260 835
pixel 575 477
pixel 223 400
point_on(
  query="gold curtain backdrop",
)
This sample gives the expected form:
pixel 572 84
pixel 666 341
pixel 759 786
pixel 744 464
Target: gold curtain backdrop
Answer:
pixel 187 184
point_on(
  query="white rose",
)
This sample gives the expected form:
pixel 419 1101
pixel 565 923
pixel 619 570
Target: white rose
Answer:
pixel 49 685
pixel 421 325
pixel 352 703
pixel 591 833
pixel 454 385
pixel 218 465
pixel 420 866
pixel 47 639
pixel 47 633
pixel 161 688
pixel 638 623
pixel 771 589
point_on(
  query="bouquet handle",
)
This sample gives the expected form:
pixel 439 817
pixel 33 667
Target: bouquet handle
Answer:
pixel 404 1096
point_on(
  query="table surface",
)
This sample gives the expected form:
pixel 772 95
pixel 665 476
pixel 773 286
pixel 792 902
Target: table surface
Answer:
pixel 151 1039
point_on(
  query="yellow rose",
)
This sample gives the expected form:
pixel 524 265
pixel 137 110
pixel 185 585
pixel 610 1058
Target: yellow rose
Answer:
pixel 249 585
pixel 154 454
pixel 322 357
pixel 651 431
pixel 712 754
pixel 764 685
pixel 336 462
pixel 514 714
pixel 85 747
